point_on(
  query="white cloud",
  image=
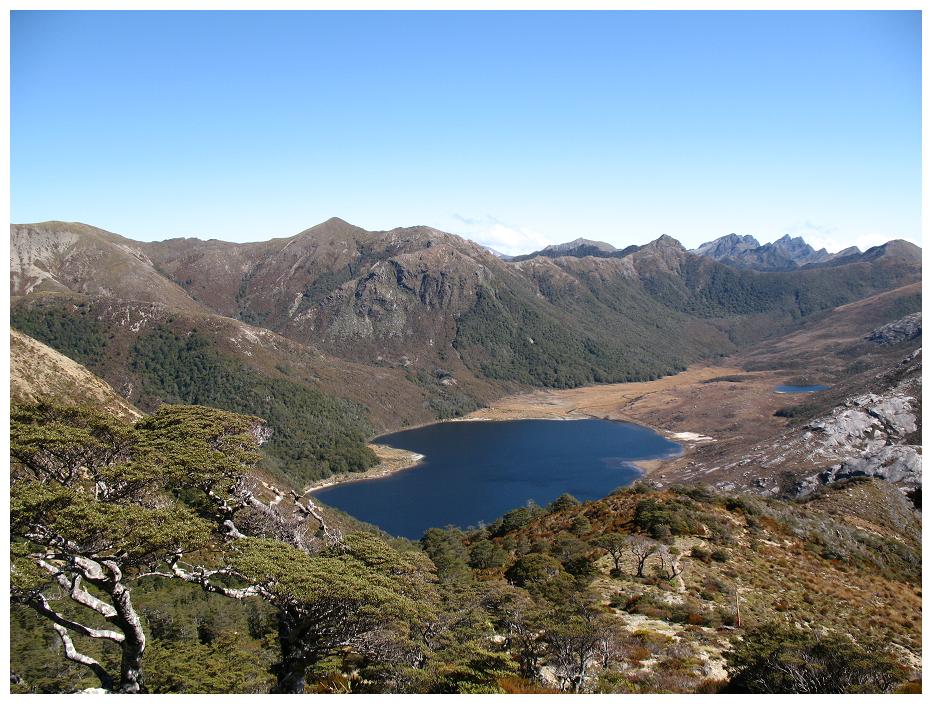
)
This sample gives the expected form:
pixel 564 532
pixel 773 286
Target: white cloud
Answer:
pixel 507 239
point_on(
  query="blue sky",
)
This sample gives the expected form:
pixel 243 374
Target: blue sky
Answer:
pixel 515 129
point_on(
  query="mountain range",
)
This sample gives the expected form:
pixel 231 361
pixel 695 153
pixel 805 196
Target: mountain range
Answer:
pixel 784 254
pixel 739 251
pixel 748 548
pixel 376 330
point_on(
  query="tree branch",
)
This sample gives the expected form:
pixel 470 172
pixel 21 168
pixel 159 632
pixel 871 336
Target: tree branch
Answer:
pixel 39 603
pixel 73 587
pixel 71 653
pixel 202 578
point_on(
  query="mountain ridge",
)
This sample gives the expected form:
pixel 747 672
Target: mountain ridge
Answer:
pixel 412 323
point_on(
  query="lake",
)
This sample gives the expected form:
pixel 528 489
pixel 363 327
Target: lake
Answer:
pixel 475 471
pixel 788 389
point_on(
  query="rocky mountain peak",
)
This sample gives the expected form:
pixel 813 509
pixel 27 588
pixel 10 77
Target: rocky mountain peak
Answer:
pixel 727 246
pixel 665 242
pixel 580 247
pixel 333 227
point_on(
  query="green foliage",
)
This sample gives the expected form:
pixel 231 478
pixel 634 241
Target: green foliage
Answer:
pixel 72 330
pixel 94 501
pixel 36 662
pixel 140 535
pixel 574 554
pixel 562 503
pixel 775 659
pixel 515 519
pixel 508 335
pixel 615 545
pixel 369 615
pixel 484 554
pixel 580 526
pixel 228 664
pixel 54 442
pixel 314 435
pixel 447 551
pixel 677 516
pixel 543 576
pixel 533 567
pixel 445 399
pixel 798 411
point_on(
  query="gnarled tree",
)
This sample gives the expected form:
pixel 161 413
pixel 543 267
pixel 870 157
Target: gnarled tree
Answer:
pixel 99 502
pixel 94 502
pixel 340 597
pixel 614 544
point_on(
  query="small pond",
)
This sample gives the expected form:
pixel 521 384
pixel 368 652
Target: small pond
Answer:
pixel 788 389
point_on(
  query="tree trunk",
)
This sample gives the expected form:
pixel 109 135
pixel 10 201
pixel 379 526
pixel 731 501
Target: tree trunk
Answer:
pixel 134 644
pixel 291 675
pixel 291 670
pixel 580 674
pixel 291 678
pixel 131 669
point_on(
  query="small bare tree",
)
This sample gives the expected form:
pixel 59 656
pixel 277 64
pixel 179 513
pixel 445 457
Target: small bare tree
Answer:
pixel 642 548
pixel 614 544
pixel 671 566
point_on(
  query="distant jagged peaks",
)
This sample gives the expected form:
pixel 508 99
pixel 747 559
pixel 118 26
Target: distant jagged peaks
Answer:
pixel 727 246
pixel 784 254
pixel 582 247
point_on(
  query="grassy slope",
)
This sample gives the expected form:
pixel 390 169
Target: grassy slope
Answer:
pixel 37 371
pixel 803 564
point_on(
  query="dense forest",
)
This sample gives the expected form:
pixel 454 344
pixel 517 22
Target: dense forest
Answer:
pixel 313 434
pixel 509 338
pixel 145 559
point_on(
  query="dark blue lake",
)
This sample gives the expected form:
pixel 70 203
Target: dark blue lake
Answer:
pixel 474 472
pixel 787 389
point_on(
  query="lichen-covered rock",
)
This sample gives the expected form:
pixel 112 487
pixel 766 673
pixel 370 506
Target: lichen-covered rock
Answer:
pixel 900 464
pixel 908 328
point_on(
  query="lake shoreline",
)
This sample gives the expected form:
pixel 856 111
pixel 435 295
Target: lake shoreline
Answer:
pixel 391 461
pixel 477 471
pixel 551 404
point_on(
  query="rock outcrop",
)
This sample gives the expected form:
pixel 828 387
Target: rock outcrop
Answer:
pixel 870 432
pixel 902 330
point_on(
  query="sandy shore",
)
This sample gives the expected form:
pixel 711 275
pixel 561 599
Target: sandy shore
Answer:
pixel 391 460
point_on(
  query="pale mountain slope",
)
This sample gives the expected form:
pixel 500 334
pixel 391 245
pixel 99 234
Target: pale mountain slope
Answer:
pixel 39 372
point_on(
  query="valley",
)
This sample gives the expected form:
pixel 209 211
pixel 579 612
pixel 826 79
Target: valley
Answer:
pixel 461 351
pixel 334 344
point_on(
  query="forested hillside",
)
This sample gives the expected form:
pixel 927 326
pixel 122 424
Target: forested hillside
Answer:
pixel 179 579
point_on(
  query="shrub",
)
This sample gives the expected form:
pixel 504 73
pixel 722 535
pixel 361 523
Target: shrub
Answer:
pixel 720 555
pixel 485 554
pixel 563 502
pixel 776 659
pixel 677 516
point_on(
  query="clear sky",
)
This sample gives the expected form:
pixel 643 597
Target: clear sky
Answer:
pixel 515 129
